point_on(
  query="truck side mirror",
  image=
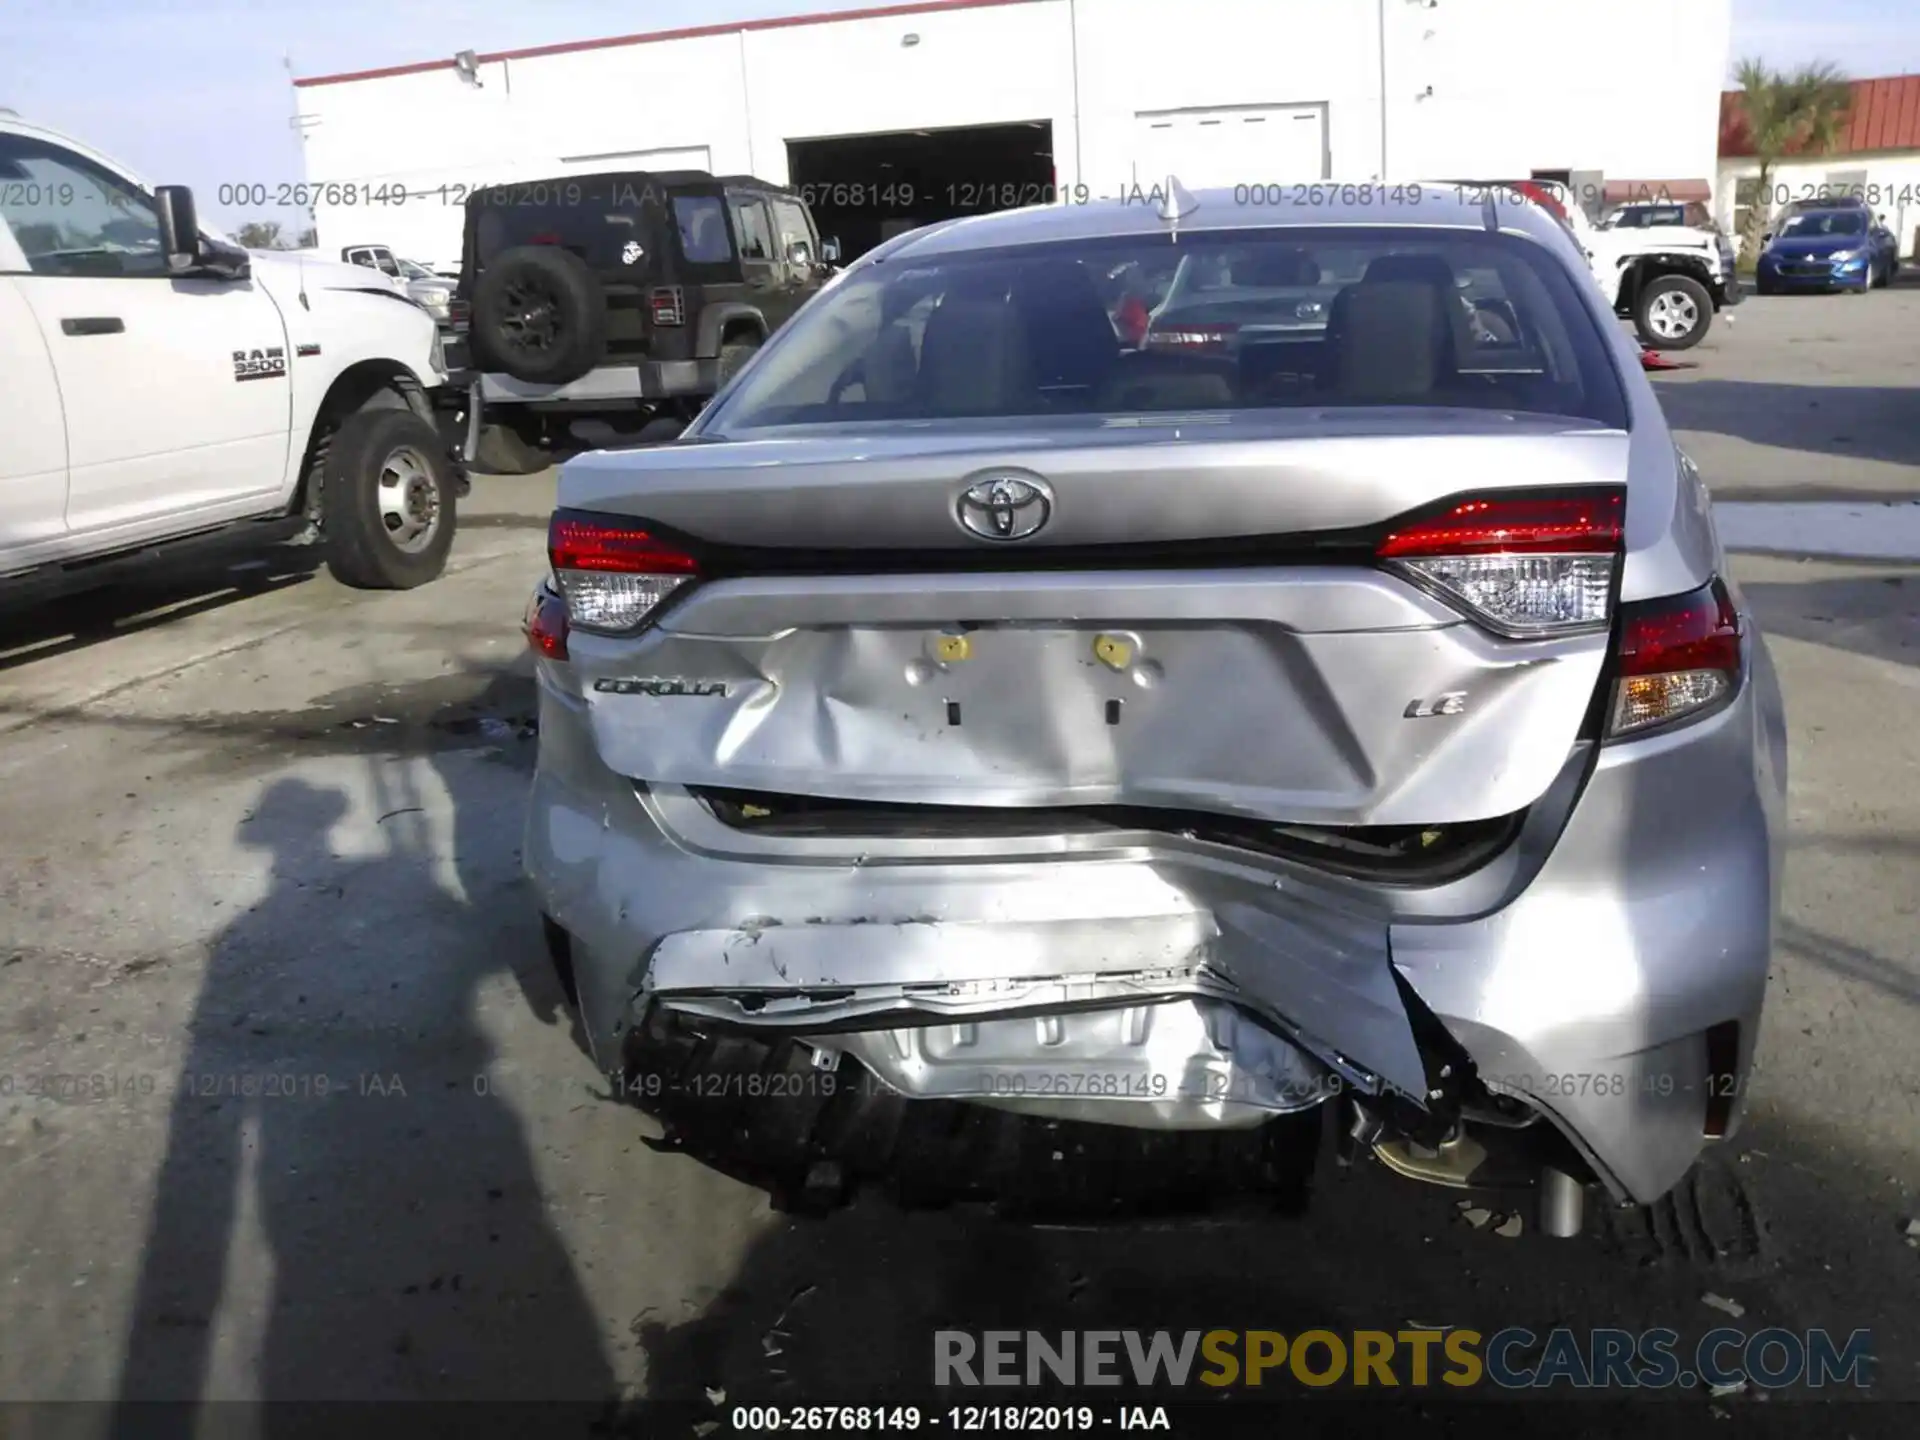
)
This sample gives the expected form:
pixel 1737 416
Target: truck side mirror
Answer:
pixel 179 226
pixel 830 250
pixel 188 252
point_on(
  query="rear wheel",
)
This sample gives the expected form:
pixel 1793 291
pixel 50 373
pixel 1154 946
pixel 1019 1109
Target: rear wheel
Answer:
pixel 387 501
pixel 734 354
pixel 502 451
pixel 1673 312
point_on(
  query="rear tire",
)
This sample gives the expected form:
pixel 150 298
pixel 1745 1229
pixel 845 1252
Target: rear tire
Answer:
pixel 733 356
pixel 539 315
pixel 1672 312
pixel 502 451
pixel 387 501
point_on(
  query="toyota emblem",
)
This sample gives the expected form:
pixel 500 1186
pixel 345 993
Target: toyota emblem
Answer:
pixel 1005 507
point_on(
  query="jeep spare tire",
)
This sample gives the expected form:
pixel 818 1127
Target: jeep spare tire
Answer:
pixel 539 315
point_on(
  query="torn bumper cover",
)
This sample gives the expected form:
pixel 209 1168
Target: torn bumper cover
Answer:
pixel 1135 1023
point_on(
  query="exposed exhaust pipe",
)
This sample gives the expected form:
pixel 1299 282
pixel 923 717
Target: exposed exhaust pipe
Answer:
pixel 1562 1204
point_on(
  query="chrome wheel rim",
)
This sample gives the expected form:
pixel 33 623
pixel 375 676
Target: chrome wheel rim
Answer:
pixel 408 499
pixel 1672 315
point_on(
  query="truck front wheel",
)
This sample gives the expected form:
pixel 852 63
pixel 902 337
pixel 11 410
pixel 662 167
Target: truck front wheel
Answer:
pixel 1672 312
pixel 387 502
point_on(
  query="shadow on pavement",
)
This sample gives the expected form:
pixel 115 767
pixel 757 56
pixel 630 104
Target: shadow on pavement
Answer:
pixel 151 594
pixel 1876 614
pixel 1867 423
pixel 371 1245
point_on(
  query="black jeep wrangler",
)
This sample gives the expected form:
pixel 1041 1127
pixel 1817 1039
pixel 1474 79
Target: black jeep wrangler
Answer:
pixel 607 308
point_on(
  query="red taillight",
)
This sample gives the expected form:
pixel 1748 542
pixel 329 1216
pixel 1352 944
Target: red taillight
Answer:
pixel 459 313
pixel 1585 524
pixel 1191 337
pixel 613 573
pixel 1522 565
pixel 667 305
pixel 1678 657
pixel 1133 320
pixel 546 624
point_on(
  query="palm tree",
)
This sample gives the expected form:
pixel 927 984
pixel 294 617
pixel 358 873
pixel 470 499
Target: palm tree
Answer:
pixel 1787 112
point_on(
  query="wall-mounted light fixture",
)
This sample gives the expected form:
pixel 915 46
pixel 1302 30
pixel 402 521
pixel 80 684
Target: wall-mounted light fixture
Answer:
pixel 909 40
pixel 466 65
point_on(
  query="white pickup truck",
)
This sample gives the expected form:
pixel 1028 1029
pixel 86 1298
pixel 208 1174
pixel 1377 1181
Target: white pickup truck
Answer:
pixel 160 384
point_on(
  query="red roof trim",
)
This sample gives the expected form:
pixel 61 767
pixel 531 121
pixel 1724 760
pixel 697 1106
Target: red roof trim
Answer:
pixel 1886 116
pixel 691 32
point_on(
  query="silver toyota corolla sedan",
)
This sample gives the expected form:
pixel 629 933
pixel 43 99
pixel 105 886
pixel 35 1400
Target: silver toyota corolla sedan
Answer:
pixel 1313 686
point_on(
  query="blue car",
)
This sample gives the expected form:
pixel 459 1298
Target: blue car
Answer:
pixel 1833 249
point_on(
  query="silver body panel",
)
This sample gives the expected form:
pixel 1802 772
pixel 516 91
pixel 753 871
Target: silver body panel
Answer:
pixel 1580 966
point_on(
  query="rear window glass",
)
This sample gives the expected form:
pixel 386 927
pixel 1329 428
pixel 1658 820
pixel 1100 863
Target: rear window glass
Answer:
pixel 1646 216
pixel 702 222
pixel 1211 321
pixel 593 216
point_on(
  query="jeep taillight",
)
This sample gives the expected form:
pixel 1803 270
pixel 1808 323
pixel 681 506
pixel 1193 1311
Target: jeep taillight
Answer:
pixel 667 305
pixel 612 572
pixel 1678 658
pixel 1529 565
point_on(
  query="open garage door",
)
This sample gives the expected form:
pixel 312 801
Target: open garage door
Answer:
pixel 867 188
pixel 1232 145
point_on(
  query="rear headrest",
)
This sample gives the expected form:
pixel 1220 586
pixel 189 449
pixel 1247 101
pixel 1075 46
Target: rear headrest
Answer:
pixel 1429 268
pixel 1072 338
pixel 1272 269
pixel 972 357
pixel 1390 341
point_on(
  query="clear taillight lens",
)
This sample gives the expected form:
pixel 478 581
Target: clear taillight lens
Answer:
pixel 612 573
pixel 1679 658
pixel 1528 565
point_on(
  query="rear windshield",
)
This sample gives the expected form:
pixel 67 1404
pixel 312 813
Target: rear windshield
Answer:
pixel 1836 223
pixel 1643 217
pixel 1202 322
pixel 593 216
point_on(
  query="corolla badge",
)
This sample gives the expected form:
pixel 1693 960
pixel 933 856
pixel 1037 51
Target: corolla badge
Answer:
pixel 1005 507
pixel 631 252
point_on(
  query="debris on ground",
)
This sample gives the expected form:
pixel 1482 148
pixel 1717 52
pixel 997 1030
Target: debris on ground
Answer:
pixel 1477 1216
pixel 716 1396
pixel 1913 1229
pixel 1720 1302
pixel 1510 1228
pixel 1732 1387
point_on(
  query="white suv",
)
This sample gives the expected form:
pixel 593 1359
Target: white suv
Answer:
pixel 158 383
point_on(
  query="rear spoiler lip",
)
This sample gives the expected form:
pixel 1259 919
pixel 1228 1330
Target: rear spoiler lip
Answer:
pixel 1352 546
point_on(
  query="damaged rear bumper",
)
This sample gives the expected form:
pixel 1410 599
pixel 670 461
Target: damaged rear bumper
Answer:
pixel 1148 979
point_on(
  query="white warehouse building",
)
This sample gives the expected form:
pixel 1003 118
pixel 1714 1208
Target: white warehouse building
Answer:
pixel 892 117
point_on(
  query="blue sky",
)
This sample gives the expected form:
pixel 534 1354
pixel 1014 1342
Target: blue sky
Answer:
pixel 196 92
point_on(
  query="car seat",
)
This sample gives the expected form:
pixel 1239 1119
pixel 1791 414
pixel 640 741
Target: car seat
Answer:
pixel 1395 337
